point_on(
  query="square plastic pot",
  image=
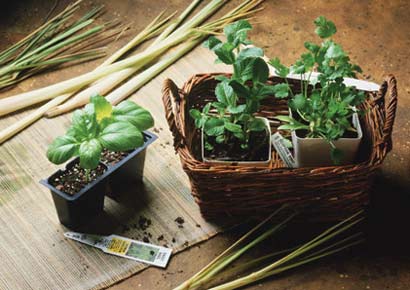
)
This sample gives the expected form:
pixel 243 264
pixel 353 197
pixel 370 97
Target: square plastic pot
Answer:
pixel 76 210
pixel 130 169
pixel 315 152
pixel 241 163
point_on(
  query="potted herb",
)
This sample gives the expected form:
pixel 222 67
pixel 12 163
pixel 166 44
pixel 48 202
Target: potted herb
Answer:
pixel 78 191
pixel 231 130
pixel 323 118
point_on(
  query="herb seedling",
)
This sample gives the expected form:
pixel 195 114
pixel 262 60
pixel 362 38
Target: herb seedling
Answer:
pixel 232 117
pixel 325 105
pixel 101 126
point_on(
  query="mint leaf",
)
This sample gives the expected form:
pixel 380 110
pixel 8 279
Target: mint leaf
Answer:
pixel 212 42
pixel 214 127
pixel 240 89
pixel 90 154
pixel 324 28
pixel 236 33
pixel 257 125
pixel 249 52
pixel 260 71
pixel 234 128
pixel 225 93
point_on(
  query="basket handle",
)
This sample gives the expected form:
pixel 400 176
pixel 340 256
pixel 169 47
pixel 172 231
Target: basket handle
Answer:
pixel 389 87
pixel 171 100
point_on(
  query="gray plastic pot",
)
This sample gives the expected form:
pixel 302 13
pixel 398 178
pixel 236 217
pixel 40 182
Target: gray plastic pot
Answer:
pixel 242 163
pixel 315 152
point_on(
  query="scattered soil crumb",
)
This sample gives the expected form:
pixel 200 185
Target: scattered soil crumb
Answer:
pixel 145 239
pixel 144 223
pixel 173 240
pixel 180 220
pixel 160 238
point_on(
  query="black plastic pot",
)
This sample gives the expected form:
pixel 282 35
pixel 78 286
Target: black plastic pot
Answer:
pixel 75 210
pixel 130 169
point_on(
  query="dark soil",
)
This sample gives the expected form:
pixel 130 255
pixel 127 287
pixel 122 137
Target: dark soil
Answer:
pixel 258 149
pixel 74 179
pixel 110 158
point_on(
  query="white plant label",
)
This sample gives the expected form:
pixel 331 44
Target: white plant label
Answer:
pixel 126 248
pixel 284 153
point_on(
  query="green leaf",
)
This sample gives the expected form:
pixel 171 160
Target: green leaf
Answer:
pixel 334 51
pixel 84 125
pixel 314 48
pixel 324 28
pixel 257 125
pixel 220 139
pixel 196 114
pixel 236 109
pixel 239 89
pixel 225 93
pixel 90 154
pixel 121 136
pixel 336 155
pixel 243 70
pixel 249 52
pixel 214 127
pixel 102 107
pixel 236 33
pixel 308 60
pixel 234 128
pixel 298 102
pixel 281 90
pixel 260 71
pixel 212 42
pixel 62 149
pixel 292 127
pixel 225 53
pixel 280 69
pixel 128 111
pixel 285 118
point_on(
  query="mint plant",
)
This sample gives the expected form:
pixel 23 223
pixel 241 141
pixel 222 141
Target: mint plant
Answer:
pixel 231 118
pixel 101 126
pixel 325 105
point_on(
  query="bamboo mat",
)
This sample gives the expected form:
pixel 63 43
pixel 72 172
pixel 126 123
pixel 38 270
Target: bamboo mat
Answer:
pixel 33 252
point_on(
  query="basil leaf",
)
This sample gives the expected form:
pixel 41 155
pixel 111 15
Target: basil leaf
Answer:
pixel 212 42
pixel 84 126
pixel 90 154
pixel 62 149
pixel 102 107
pixel 128 111
pixel 121 136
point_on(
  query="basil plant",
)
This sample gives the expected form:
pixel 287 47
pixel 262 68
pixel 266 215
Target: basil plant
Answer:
pixel 101 126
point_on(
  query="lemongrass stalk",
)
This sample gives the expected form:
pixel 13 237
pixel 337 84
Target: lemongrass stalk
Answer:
pixel 23 100
pixel 252 278
pixel 144 77
pixel 67 11
pixel 204 279
pixel 109 82
pixel 176 23
pixel 262 273
pixel 139 38
pixel 215 262
pixel 26 121
pixel 106 84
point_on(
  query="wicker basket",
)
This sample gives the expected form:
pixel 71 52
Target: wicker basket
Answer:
pixel 327 193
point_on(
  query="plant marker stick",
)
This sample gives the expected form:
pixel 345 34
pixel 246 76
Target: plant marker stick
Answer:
pixel 126 248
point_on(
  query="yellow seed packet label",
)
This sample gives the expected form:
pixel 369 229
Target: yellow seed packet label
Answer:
pixel 118 246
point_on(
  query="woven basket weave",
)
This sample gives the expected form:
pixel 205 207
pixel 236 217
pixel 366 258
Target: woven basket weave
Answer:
pixel 326 193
